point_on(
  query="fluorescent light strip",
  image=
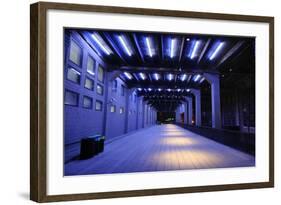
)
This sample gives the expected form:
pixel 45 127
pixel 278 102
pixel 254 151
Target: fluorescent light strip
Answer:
pixel 197 77
pixel 172 48
pixel 170 76
pixel 125 46
pixel 101 43
pixel 142 75
pixel 148 46
pixel 128 75
pixel 156 76
pixel 183 77
pixel 202 79
pixel 216 51
pixel 194 49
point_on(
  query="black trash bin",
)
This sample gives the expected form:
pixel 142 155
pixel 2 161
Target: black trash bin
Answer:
pixel 91 146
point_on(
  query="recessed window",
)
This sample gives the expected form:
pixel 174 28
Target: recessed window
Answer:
pixel 114 86
pixel 71 98
pixel 99 89
pixel 91 65
pixel 89 84
pixel 98 105
pixel 100 74
pixel 121 111
pixel 73 75
pixel 75 53
pixel 113 108
pixel 87 102
pixel 122 90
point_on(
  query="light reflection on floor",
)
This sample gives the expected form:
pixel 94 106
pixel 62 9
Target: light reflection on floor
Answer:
pixel 160 148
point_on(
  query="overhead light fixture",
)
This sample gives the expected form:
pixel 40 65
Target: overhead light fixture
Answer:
pixel 170 76
pixel 183 77
pixel 159 89
pixel 187 39
pixel 196 78
pixel 188 90
pixel 172 50
pixel 121 39
pixel 216 50
pixel 169 90
pixel 97 38
pixel 139 89
pixel 148 46
pixel 179 90
pixel 128 75
pixel 194 49
pixel 149 89
pixel 156 76
pixel 202 79
pixel 142 76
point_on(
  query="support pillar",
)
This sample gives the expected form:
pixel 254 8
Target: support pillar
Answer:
pixel 197 94
pixel 214 80
pixel 189 110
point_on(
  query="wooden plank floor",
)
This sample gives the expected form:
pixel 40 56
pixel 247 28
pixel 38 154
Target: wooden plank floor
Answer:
pixel 160 148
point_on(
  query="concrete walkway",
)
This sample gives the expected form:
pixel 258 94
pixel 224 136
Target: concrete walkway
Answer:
pixel 160 148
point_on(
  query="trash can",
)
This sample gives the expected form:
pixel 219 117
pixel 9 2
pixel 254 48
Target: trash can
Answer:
pixel 91 146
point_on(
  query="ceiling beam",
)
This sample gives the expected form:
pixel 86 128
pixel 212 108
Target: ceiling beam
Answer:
pixel 203 51
pixel 113 46
pixel 138 47
pixel 173 70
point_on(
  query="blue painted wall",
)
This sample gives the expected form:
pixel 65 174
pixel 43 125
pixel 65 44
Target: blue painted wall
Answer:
pixel 115 121
pixel 80 122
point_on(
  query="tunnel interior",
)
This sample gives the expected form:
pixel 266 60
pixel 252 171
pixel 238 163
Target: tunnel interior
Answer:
pixel 120 82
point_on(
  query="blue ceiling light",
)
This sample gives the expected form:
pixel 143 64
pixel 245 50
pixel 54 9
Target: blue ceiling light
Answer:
pixel 156 76
pixel 183 77
pixel 97 38
pixel 169 90
pixel 216 50
pixel 202 79
pixel 194 49
pixel 196 77
pixel 148 46
pixel 172 49
pixel 139 89
pixel 159 89
pixel 170 76
pixel 125 46
pixel 187 90
pixel 149 89
pixel 142 76
pixel 128 75
pixel 178 89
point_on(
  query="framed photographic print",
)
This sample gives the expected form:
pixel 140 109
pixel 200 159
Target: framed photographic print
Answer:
pixel 134 102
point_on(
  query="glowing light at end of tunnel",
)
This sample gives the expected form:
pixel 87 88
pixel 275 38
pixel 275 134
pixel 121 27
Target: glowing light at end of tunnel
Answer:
pixel 216 51
pixel 121 39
